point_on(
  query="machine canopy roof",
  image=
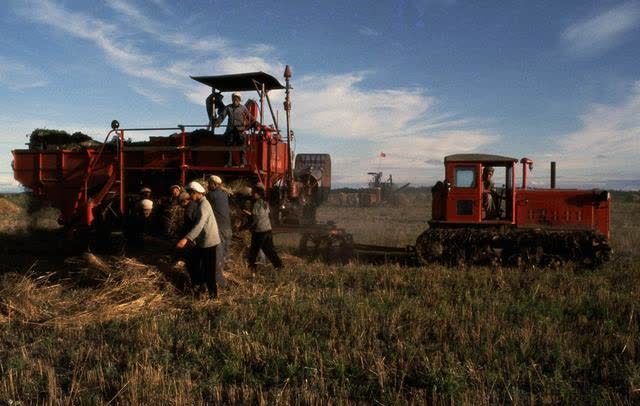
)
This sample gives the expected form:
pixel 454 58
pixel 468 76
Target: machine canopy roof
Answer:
pixel 479 158
pixel 240 82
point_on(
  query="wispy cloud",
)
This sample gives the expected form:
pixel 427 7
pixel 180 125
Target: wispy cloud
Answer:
pixel 608 144
pixel 368 32
pixel 120 53
pixel 130 57
pixel 400 122
pixel 152 95
pixel 164 34
pixel 597 34
pixel 16 75
pixel 338 108
pixel 8 183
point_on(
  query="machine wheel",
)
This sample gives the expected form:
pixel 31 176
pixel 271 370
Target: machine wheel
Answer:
pixel 429 248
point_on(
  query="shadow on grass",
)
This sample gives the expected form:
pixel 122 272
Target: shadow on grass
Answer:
pixel 42 252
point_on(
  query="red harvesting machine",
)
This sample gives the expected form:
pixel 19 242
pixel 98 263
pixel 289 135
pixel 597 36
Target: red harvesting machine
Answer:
pixel 524 225
pixel 84 182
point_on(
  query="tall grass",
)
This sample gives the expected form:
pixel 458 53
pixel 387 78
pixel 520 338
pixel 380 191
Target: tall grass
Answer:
pixel 324 334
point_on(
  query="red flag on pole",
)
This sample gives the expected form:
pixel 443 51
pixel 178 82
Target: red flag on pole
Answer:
pixel 383 155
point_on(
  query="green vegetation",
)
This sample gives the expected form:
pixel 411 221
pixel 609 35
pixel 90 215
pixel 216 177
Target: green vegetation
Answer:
pixel 45 138
pixel 93 330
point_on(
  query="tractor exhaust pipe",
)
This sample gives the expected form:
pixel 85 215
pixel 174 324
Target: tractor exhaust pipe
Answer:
pixel 527 164
pixel 553 175
pixel 287 109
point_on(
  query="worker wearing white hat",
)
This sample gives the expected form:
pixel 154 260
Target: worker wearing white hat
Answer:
pixel 204 234
pixel 240 120
pixel 147 206
pixel 138 223
pixel 219 199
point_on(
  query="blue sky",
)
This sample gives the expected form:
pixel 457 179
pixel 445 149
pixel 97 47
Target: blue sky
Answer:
pixel 414 79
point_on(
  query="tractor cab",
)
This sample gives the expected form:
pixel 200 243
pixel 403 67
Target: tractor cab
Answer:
pixel 478 188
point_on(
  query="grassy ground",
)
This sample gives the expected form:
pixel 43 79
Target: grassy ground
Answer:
pixel 85 330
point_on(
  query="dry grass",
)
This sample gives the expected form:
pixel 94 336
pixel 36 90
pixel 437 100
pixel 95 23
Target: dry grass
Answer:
pixel 89 290
pixel 110 330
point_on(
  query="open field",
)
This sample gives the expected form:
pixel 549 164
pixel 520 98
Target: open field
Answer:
pixel 95 330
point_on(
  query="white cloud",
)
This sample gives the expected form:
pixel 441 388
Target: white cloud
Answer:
pixel 131 59
pixel 368 32
pixel 235 64
pixel 8 183
pixel 165 34
pixel 152 95
pixel 360 123
pixel 15 75
pixel 608 144
pixel 337 108
pixel 121 54
pixel 597 34
pixel 417 158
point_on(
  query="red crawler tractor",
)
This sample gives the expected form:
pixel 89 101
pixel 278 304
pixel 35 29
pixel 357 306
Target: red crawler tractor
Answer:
pixel 87 181
pixel 474 222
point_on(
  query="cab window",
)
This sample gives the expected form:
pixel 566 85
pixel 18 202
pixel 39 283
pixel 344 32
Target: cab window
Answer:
pixel 465 177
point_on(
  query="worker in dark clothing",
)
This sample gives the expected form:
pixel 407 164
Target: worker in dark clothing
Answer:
pixel 215 106
pixel 172 213
pixel 240 120
pixel 219 200
pixel 261 236
pixel 204 235
pixel 145 193
pixel 137 224
pixel 174 193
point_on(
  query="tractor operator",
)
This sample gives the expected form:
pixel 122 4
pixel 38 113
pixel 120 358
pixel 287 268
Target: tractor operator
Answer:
pixel 488 192
pixel 240 120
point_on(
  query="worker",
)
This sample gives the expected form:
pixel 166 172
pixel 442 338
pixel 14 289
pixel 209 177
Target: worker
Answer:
pixel 173 213
pixel 239 121
pixel 174 193
pixel 261 236
pixel 188 209
pixel 488 193
pixel 137 224
pixel 204 234
pixel 214 100
pixel 219 198
pixel 145 193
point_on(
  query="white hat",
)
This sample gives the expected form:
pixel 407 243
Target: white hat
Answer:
pixel 146 204
pixel 215 179
pixel 236 94
pixel 175 187
pixel 196 187
pixel 145 190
